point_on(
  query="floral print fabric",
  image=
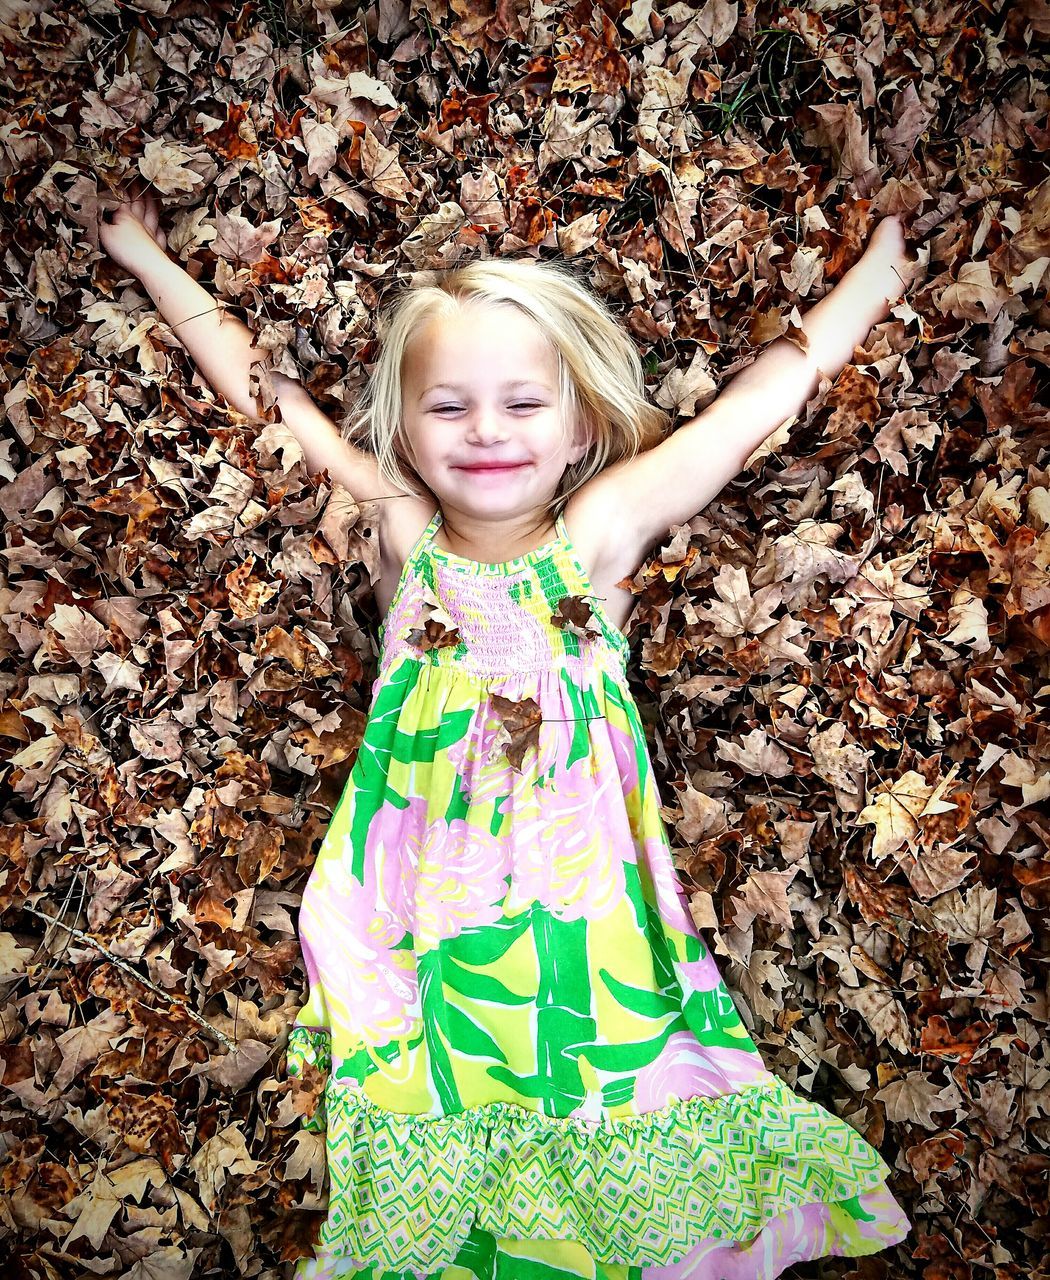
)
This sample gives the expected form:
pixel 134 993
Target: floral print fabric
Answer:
pixel 533 1064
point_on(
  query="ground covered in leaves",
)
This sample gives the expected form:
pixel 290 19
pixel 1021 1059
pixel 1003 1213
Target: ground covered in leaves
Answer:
pixel 842 661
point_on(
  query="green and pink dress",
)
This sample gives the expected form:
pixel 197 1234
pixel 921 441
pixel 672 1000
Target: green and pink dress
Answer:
pixel 534 1069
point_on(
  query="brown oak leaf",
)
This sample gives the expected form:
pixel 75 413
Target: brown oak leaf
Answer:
pixel 573 614
pixel 438 630
pixel 521 725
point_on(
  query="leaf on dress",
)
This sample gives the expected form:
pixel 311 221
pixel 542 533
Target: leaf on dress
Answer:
pixel 520 724
pixel 573 614
pixel 439 630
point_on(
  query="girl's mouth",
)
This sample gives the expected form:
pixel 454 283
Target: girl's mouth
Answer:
pixel 492 467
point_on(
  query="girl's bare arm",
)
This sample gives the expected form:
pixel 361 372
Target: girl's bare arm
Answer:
pixel 221 346
pixel 780 381
pixel 670 483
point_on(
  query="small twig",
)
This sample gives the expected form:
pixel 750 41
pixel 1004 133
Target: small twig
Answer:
pixel 125 967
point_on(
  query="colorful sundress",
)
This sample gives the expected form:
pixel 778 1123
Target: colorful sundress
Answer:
pixel 534 1070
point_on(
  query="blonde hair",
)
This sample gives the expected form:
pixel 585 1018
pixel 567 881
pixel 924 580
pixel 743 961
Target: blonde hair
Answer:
pixel 601 381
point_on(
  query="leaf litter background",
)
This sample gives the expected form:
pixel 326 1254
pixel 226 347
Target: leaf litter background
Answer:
pixel 842 661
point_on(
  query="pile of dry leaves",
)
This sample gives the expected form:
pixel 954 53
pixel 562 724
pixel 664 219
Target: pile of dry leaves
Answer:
pixel 842 661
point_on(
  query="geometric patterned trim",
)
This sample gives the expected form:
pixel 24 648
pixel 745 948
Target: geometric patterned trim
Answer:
pixel 641 1190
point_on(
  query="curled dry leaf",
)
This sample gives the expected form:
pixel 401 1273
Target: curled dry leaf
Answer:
pixel 438 631
pixel 520 726
pixel 574 614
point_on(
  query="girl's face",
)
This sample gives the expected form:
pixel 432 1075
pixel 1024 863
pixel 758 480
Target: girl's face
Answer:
pixel 481 416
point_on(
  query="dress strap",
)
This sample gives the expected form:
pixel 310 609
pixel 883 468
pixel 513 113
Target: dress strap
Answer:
pixel 425 538
pixel 408 570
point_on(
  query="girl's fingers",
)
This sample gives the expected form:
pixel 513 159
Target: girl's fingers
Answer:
pixel 153 210
pixel 136 201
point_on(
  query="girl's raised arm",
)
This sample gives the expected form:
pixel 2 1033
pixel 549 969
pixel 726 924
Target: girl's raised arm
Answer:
pixel 221 346
pixel 669 484
pixel 780 381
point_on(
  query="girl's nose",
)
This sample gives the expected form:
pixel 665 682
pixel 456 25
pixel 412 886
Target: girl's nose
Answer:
pixel 486 427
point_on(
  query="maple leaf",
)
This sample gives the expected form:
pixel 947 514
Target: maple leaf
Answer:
pixel 573 614
pixel 433 635
pixel 886 1017
pixel 740 611
pixel 521 725
pixel 897 811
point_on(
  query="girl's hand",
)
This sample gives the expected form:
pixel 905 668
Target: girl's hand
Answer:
pixel 133 236
pixel 888 237
pixel 886 257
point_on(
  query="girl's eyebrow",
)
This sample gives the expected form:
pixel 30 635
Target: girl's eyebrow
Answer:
pixel 507 386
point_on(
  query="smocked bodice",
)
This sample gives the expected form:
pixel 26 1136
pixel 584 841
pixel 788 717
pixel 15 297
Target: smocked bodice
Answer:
pixel 503 612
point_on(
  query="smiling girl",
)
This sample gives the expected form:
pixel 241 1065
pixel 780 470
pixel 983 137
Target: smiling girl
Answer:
pixel 533 1067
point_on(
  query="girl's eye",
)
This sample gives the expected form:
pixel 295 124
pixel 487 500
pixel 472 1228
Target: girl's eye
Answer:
pixel 454 408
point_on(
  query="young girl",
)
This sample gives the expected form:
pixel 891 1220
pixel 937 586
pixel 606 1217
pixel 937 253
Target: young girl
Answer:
pixel 533 1067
